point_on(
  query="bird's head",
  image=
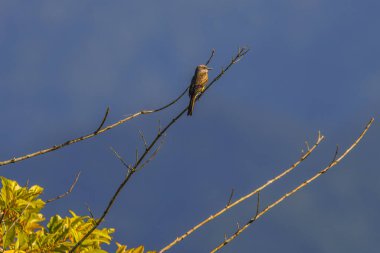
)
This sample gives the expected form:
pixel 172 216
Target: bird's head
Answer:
pixel 203 68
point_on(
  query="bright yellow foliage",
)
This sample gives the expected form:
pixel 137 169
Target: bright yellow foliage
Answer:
pixel 21 230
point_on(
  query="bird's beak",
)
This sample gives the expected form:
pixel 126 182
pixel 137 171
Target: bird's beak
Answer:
pixel 209 68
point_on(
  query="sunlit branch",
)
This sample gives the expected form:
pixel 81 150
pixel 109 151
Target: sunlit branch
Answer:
pixel 332 164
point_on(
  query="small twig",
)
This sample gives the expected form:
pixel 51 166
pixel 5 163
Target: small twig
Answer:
pixel 230 198
pixel 159 126
pixel 336 154
pixel 27 183
pixel 257 205
pixel 103 121
pixel 143 139
pixel 252 193
pixel 257 216
pixel 121 159
pixel 152 156
pixel 67 192
pixel 137 155
pixel 89 210
pixel 240 54
pixel 212 55
pixel 307 145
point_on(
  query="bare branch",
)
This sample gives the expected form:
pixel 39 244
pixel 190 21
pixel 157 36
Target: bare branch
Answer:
pixel 307 145
pixel 67 192
pixel 99 130
pixel 143 139
pixel 336 154
pixel 152 156
pixel 103 121
pixel 89 210
pixel 257 205
pixel 141 159
pixel 230 198
pixel 205 221
pixel 257 216
pixel 212 55
pixel 120 158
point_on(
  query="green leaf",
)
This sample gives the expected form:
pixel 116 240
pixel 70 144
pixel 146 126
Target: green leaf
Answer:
pixel 9 236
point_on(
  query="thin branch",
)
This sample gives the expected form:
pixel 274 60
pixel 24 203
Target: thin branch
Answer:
pixel 103 121
pixel 89 210
pixel 257 216
pixel 126 179
pixel 307 145
pixel 67 192
pixel 230 198
pixel 336 154
pixel 257 205
pixel 143 139
pixel 152 156
pixel 100 130
pixel 140 160
pixel 120 158
pixel 212 55
pixel 252 193
pixel 240 54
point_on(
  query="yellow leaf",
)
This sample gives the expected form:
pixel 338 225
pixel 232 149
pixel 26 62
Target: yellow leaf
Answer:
pixel 139 249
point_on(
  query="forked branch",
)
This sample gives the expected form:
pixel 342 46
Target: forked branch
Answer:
pixel 99 130
pixel 299 187
pixel 141 159
pixel 252 193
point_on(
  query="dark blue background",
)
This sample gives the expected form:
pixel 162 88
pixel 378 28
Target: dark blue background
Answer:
pixel 313 65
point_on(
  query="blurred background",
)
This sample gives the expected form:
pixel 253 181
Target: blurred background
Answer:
pixel 313 65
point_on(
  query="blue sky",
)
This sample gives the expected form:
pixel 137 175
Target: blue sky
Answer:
pixel 313 65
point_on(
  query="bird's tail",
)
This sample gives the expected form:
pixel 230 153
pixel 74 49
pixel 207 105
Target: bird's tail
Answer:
pixel 191 106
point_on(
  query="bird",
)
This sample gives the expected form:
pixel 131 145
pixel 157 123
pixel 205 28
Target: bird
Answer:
pixel 197 85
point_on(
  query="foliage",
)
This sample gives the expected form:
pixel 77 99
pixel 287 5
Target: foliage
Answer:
pixel 21 229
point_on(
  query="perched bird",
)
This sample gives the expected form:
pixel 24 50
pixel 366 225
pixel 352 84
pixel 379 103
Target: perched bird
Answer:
pixel 197 85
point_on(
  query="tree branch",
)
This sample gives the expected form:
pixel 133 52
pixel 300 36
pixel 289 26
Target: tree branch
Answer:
pixel 134 168
pixel 332 164
pixel 103 121
pixel 99 130
pixel 67 192
pixel 182 237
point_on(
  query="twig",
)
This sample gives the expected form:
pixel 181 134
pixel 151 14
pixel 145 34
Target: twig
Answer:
pixel 307 145
pixel 252 193
pixel 139 161
pixel 152 156
pixel 257 216
pixel 336 154
pixel 230 198
pixel 126 179
pixel 212 55
pixel 143 139
pixel 120 158
pixel 103 121
pixel 257 205
pixel 240 54
pixel 67 192
pixel 89 210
